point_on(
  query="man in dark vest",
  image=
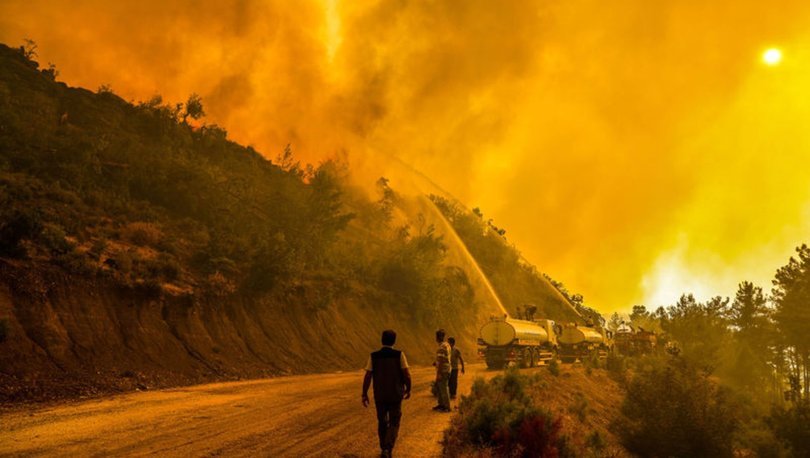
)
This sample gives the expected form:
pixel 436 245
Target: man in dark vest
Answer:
pixel 388 369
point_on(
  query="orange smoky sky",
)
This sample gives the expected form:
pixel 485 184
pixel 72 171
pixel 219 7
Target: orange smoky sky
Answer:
pixel 632 149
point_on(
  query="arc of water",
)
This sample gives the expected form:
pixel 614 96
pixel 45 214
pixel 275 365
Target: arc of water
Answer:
pixel 448 228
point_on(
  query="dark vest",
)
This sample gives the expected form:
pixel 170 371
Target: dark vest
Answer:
pixel 387 375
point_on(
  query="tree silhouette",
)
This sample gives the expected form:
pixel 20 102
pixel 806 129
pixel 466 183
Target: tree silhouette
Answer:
pixel 194 108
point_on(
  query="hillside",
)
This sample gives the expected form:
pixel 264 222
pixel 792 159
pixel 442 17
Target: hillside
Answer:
pixel 140 248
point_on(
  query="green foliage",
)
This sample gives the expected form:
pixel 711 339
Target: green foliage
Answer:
pixel 554 367
pixel 500 416
pixel 142 234
pixel 54 238
pixel 792 426
pixel 194 108
pixel 673 408
pixel 579 407
pixel 701 329
pixel 51 72
pixel 592 362
pixel 29 49
pixel 791 294
pixel 102 170
pixel 75 262
pixel 409 272
pixel 616 366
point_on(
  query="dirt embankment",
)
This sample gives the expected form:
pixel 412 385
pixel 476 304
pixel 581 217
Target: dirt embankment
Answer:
pixel 68 337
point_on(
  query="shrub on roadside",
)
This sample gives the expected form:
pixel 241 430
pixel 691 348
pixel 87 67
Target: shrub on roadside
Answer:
pixel 579 407
pixel 554 367
pixel 499 417
pixel 616 367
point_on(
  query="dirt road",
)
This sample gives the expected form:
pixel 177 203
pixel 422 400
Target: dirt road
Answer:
pixel 313 415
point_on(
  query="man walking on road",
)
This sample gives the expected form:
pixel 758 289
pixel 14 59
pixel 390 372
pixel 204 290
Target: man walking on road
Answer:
pixel 442 364
pixel 388 369
pixel 455 359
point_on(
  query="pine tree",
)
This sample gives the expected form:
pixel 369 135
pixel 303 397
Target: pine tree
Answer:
pixel 791 295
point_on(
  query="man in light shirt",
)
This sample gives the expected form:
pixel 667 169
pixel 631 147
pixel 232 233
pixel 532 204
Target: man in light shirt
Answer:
pixel 388 370
pixel 442 364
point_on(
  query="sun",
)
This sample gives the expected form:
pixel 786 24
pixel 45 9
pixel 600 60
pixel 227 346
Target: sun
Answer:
pixel 772 56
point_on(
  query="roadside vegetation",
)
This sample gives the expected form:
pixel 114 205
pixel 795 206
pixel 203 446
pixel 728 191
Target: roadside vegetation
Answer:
pixel 729 378
pixel 538 413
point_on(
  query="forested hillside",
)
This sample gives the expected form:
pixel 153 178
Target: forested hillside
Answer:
pixel 140 247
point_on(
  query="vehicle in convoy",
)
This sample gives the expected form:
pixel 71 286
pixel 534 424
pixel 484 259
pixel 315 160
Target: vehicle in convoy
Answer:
pixel 583 342
pixel 526 343
pixel 630 341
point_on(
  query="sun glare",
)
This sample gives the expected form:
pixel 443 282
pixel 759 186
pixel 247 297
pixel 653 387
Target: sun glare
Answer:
pixel 772 56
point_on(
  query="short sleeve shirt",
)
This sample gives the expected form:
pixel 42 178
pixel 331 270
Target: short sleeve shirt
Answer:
pixel 443 357
pixel 403 361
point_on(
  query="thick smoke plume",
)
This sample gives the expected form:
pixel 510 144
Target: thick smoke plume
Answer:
pixel 633 149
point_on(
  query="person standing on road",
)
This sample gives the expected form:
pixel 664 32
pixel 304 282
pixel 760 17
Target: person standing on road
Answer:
pixel 442 364
pixel 455 359
pixel 388 369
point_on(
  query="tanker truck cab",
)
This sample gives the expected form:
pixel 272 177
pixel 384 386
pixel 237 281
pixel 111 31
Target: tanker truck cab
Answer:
pixel 505 340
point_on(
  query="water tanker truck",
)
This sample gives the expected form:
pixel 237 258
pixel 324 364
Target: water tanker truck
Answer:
pixel 583 342
pixel 506 340
pixel 632 342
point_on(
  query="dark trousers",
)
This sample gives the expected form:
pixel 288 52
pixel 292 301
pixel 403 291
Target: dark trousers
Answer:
pixel 388 416
pixel 453 383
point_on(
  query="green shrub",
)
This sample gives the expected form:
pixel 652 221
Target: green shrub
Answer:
pixel 501 417
pixel 579 407
pixel 53 237
pixel 592 362
pixel 142 233
pixel 615 364
pixel 76 262
pixel 554 367
pixel 792 427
